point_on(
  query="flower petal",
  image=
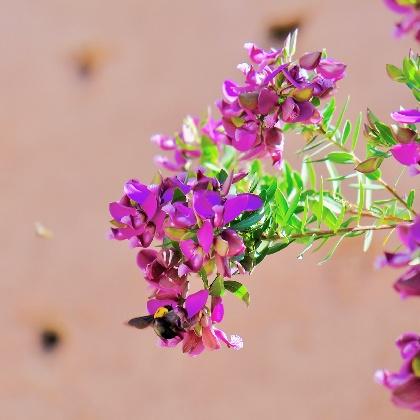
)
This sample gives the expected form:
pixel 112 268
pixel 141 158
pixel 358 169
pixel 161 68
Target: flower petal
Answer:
pixel 204 201
pixel 205 236
pixel 234 206
pixel 195 303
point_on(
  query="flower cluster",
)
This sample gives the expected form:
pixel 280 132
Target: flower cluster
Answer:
pixel 409 283
pixel 407 151
pixel 275 91
pixel 182 226
pixel 405 384
pixel 186 144
pixel 410 12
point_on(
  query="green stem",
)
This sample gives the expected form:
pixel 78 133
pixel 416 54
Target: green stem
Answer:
pixel 320 233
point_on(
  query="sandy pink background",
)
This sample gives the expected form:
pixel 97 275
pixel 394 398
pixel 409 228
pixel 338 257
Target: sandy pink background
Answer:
pixel 313 335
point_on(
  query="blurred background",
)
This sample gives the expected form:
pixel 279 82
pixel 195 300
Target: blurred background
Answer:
pixel 84 84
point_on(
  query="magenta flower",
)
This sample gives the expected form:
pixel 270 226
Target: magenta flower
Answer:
pixel 185 145
pixel 136 216
pixel 409 283
pixel 405 384
pixel 274 93
pixel 406 116
pixel 407 154
pixel 411 18
pixel 331 69
pixel 304 112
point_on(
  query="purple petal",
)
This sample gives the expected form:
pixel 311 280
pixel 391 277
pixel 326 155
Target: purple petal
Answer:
pixel 406 116
pixel 245 137
pixel 118 211
pixel 409 283
pixel 205 236
pixel 267 99
pixel 145 257
pixel 235 342
pixel 331 69
pixel 188 248
pixel 310 60
pixel 407 154
pixel 396 7
pixel 204 201
pixel 164 142
pixel 141 195
pixel 235 243
pixel 217 310
pixel 407 395
pixel 234 206
pixel 230 90
pixel 195 303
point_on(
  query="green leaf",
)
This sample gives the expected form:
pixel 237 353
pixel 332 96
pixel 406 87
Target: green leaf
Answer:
pixel 328 113
pixel 410 198
pixel 369 165
pixel 292 207
pixel 385 134
pixel 368 240
pixel 238 289
pixel 395 73
pixel 178 196
pixel 334 175
pixel 217 288
pixel 323 214
pixel 346 132
pixel 210 153
pixel 281 203
pixel 340 157
pixel 203 276
pixel 356 132
pixel 341 115
pixel 222 176
pixel 279 246
pixel 376 174
pixel 247 222
pixel 332 251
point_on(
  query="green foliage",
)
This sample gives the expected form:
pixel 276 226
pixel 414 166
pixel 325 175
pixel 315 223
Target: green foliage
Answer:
pixel 409 73
pixel 238 289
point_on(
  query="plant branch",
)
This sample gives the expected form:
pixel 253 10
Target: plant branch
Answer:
pixel 357 161
pixel 323 233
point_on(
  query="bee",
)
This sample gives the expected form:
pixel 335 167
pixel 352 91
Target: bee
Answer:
pixel 166 322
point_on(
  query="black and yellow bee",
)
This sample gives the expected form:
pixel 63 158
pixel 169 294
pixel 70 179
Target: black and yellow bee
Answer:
pixel 166 322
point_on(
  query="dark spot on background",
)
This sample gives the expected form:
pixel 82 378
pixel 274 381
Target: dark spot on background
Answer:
pixel 50 340
pixel 277 32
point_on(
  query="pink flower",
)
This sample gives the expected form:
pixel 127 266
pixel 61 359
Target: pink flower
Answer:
pixel 405 384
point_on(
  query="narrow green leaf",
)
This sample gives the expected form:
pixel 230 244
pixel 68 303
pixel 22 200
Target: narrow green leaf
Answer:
pixel 340 157
pixel 340 116
pixel 204 278
pixel 279 246
pixel 332 251
pixel 247 222
pixel 238 289
pixel 346 132
pixel 356 132
pixel 410 198
pixel 328 113
pixel 292 206
pixel 368 240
